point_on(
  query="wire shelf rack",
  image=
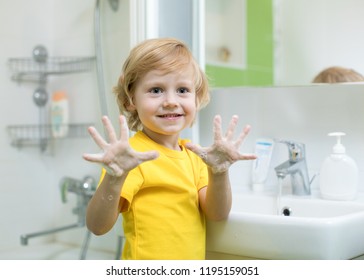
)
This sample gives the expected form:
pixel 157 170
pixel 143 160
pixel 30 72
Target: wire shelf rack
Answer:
pixel 28 69
pixel 40 135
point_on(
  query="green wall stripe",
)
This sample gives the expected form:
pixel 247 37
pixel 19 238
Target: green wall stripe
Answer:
pixel 259 71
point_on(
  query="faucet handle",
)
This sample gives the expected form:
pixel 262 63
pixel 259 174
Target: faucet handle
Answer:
pixel 296 150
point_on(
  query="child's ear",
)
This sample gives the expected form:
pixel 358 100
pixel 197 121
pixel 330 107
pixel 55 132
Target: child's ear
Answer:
pixel 131 107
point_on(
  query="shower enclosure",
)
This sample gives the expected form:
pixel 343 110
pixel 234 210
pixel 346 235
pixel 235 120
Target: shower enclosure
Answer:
pixel 36 70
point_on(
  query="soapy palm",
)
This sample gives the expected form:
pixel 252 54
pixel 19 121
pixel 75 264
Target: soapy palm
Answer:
pixel 225 149
pixel 117 157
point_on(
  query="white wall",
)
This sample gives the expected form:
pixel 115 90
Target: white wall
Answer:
pixel 315 34
pixel 30 198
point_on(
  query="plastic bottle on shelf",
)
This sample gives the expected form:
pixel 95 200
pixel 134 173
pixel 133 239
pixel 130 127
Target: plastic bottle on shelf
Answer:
pixel 59 114
pixel 339 173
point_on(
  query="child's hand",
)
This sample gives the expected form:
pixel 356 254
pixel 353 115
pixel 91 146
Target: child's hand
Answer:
pixel 225 150
pixel 117 157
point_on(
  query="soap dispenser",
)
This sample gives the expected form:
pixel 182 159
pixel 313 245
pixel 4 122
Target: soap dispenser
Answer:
pixel 339 173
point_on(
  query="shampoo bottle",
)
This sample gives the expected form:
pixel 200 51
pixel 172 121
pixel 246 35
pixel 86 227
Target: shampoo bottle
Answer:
pixel 59 114
pixel 339 173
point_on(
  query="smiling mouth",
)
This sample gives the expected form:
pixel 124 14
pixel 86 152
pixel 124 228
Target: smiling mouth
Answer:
pixel 170 116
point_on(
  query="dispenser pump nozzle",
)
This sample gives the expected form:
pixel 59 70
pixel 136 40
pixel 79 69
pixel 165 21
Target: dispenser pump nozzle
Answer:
pixel 338 147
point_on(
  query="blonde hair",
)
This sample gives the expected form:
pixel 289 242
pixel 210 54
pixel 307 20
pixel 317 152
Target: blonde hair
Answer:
pixel 338 75
pixel 165 54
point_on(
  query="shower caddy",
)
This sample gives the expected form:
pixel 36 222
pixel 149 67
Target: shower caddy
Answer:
pixel 36 69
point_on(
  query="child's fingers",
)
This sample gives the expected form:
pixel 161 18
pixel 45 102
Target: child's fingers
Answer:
pixel 231 128
pixel 97 137
pixel 93 157
pixel 124 129
pixel 198 150
pixel 247 157
pixel 243 135
pixel 192 147
pixel 146 156
pixel 217 128
pixel 110 129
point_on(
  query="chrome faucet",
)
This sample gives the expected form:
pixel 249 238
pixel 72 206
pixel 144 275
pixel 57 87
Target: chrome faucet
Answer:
pixel 84 189
pixel 295 166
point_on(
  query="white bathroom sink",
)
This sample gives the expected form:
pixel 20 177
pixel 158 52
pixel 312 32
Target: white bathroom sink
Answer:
pixel 315 229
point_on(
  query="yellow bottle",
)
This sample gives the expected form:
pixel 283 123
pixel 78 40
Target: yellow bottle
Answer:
pixel 59 114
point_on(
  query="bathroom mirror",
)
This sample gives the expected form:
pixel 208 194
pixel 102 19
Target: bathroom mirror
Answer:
pixel 273 42
pixel 285 42
pixel 314 34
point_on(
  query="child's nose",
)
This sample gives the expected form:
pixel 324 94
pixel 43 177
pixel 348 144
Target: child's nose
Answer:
pixel 170 99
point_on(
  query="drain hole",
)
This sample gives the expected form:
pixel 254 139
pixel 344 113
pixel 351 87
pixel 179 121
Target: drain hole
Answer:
pixel 286 211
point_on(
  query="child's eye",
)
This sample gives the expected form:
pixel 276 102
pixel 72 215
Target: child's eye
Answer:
pixel 183 90
pixel 155 90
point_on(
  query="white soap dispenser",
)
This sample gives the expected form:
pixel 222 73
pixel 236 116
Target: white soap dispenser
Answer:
pixel 339 173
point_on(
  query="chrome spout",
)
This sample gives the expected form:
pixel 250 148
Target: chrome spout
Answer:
pixel 84 188
pixel 296 167
pixel 25 237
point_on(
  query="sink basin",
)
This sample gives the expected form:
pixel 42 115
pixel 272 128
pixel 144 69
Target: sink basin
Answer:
pixel 314 229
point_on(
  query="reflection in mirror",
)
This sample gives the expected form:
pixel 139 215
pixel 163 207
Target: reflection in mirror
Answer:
pixel 261 42
pixel 312 35
pixel 223 47
pixel 286 42
pixel 337 74
pixel 239 42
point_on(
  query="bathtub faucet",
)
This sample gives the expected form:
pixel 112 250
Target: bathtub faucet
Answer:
pixel 84 189
pixel 296 167
pixel 25 237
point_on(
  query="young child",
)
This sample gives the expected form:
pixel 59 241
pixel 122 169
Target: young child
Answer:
pixel 338 74
pixel 163 186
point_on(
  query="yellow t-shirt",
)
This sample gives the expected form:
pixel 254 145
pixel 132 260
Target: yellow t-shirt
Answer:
pixel 163 219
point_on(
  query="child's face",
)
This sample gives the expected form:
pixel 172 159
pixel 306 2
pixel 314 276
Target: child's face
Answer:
pixel 166 103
